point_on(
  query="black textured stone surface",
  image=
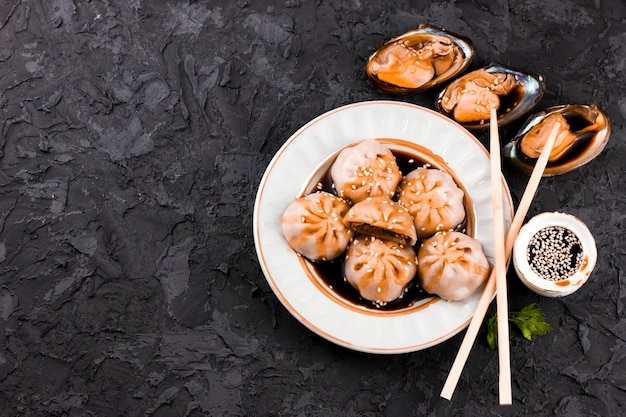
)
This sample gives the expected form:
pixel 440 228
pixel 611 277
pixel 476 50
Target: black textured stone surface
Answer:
pixel 134 135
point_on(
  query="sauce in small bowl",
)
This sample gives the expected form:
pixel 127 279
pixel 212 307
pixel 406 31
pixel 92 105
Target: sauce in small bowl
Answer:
pixel 554 254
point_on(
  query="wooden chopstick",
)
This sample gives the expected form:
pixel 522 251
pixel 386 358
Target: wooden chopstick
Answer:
pixel 490 287
pixel 502 305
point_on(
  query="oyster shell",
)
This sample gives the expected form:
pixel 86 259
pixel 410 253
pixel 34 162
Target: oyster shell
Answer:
pixel 469 99
pixel 585 131
pixel 419 59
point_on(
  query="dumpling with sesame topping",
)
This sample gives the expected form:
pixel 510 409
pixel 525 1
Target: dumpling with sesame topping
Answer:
pixel 367 169
pixel 434 200
pixel 379 269
pixel 313 226
pixel 382 218
pixel 451 265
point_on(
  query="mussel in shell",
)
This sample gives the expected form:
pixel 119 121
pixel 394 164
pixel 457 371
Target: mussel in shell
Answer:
pixel 419 59
pixel 583 134
pixel 470 98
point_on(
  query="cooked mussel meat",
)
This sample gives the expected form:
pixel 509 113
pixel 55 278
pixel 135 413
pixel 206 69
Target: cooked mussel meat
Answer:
pixel 583 133
pixel 470 98
pixel 419 59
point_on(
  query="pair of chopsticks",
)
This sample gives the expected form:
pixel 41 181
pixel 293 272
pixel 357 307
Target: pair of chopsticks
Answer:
pixel 496 283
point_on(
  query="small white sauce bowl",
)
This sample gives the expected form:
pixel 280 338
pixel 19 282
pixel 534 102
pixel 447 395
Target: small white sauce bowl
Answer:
pixel 563 285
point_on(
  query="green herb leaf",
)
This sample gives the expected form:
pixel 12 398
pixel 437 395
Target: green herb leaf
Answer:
pixel 530 320
pixel 492 331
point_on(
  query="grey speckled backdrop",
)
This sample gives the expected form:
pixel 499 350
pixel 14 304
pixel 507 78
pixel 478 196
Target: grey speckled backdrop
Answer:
pixel 134 136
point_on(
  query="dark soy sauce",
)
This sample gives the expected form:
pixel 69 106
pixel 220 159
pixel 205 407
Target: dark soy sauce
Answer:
pixel 332 273
pixel 580 146
pixel 509 101
pixel 555 253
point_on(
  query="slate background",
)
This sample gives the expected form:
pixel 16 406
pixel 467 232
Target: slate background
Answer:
pixel 134 136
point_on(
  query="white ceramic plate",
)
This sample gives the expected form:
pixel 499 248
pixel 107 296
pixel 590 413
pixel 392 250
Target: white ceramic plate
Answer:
pixel 291 169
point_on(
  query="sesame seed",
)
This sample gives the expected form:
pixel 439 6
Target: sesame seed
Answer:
pixel 554 253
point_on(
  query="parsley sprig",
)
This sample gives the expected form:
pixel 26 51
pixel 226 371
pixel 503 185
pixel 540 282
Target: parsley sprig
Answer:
pixel 530 320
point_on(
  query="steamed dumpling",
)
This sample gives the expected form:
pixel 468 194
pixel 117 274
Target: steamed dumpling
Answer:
pixel 451 265
pixel 382 218
pixel 313 226
pixel 379 269
pixel 433 199
pixel 367 169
